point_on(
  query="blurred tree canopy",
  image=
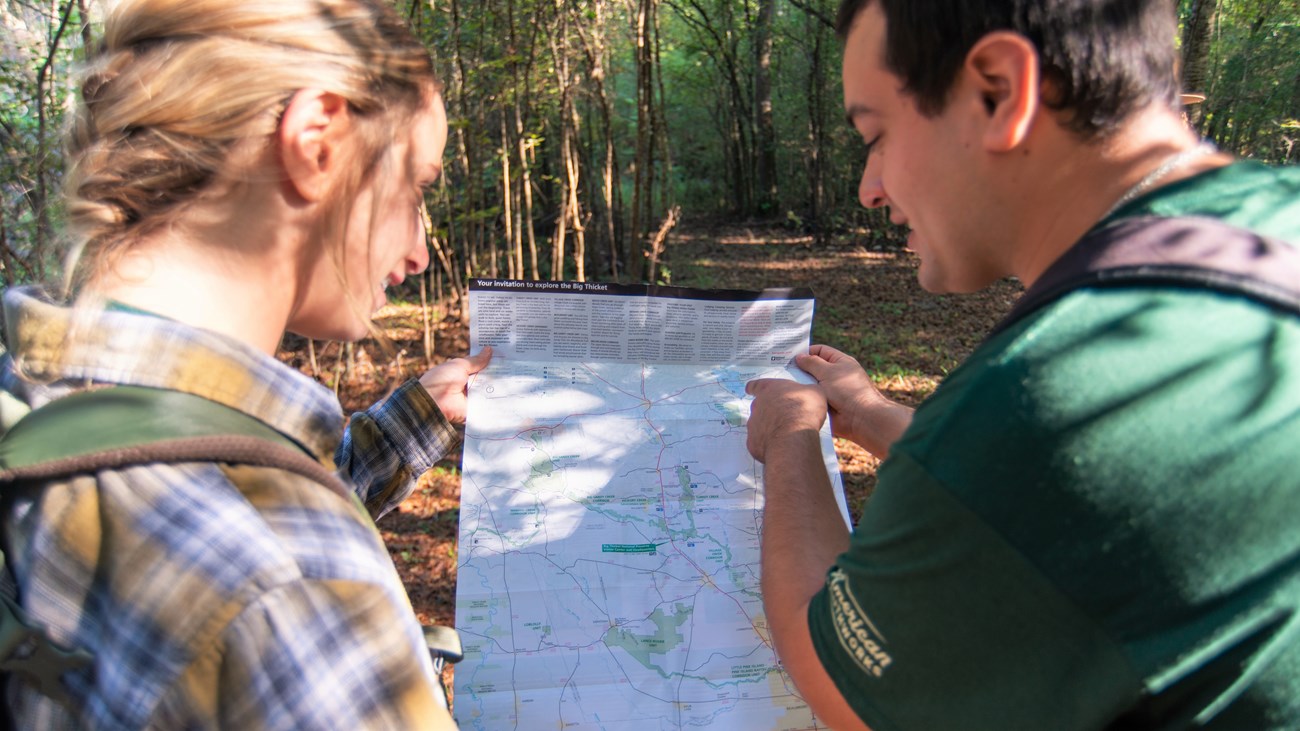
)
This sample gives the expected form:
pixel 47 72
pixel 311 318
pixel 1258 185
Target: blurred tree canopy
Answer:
pixel 580 126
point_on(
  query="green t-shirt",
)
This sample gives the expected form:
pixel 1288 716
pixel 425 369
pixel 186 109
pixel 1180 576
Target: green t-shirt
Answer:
pixel 1095 521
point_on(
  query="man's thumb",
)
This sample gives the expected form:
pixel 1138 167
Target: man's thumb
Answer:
pixel 813 365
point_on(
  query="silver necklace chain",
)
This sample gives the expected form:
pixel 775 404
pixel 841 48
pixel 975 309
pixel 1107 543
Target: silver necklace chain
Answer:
pixel 1166 167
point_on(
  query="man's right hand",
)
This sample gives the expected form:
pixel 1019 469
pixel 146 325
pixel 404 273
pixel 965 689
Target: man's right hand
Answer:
pixel 858 411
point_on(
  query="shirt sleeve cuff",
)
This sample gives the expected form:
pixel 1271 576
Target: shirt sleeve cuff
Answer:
pixel 415 425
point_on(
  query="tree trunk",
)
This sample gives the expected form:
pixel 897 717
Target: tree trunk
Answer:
pixel 513 243
pixel 426 319
pixel 44 101
pixel 463 150
pixel 595 48
pixel 526 185
pixel 661 128
pixel 765 129
pixel 1197 33
pixel 6 261
pixel 560 54
pixel 817 28
pixel 643 177
pixel 523 103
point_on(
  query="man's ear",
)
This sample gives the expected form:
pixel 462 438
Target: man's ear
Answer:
pixel 311 133
pixel 1004 68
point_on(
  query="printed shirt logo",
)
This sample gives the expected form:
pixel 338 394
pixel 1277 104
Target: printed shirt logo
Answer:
pixel 857 635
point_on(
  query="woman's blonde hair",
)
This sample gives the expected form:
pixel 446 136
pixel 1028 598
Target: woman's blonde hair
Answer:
pixel 177 84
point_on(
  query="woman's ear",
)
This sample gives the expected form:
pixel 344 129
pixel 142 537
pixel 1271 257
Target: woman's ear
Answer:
pixel 1004 68
pixel 311 132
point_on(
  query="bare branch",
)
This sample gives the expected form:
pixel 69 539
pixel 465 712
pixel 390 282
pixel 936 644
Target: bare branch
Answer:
pixel 814 12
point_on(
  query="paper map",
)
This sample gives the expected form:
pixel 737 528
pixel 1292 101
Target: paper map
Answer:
pixel 608 571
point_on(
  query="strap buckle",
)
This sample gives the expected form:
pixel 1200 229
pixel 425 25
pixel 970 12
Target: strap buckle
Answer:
pixel 26 650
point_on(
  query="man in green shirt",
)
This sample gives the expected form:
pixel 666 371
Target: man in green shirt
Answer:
pixel 1092 523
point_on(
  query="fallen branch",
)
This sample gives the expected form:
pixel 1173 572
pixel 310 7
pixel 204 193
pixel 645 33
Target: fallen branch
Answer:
pixel 657 244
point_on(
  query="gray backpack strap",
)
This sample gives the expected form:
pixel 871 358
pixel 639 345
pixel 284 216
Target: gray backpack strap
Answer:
pixel 1189 252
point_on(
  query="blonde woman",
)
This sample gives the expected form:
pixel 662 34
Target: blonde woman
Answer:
pixel 239 169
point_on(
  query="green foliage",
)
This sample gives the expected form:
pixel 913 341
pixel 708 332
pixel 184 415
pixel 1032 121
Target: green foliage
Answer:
pixel 664 275
pixel 40 45
pixel 711 71
pixel 530 74
pixel 1252 105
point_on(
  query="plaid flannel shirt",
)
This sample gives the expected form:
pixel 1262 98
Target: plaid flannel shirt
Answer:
pixel 214 595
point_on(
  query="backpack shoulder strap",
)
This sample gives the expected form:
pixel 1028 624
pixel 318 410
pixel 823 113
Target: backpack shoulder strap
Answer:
pixel 1191 252
pixel 115 427
pixel 129 425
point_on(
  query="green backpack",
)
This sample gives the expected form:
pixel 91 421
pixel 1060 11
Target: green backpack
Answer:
pixel 121 426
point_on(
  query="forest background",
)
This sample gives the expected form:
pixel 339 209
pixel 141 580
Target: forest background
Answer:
pixel 582 129
pixel 690 142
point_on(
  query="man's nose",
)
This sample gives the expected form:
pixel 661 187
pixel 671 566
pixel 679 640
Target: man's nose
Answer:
pixel 871 193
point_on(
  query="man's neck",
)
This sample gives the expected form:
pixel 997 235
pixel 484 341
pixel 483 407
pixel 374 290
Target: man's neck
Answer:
pixel 1071 185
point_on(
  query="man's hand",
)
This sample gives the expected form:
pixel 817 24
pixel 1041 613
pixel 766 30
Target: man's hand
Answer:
pixel 446 383
pixel 849 390
pixel 781 408
pixel 858 411
pixel 803 530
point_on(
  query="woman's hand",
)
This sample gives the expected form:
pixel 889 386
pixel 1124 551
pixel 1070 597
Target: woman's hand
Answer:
pixel 446 383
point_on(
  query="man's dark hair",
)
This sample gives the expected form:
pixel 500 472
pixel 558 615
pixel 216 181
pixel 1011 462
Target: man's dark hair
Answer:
pixel 1102 59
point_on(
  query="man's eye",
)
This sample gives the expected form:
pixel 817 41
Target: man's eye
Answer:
pixel 872 144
